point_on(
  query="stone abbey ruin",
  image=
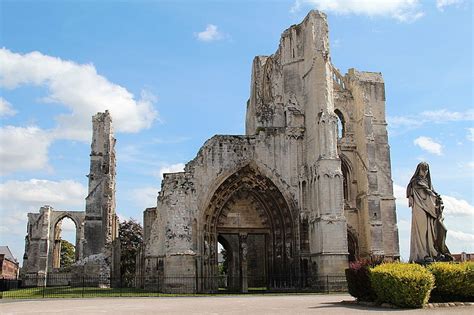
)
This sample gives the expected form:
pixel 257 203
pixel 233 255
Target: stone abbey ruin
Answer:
pixel 96 227
pixel 305 190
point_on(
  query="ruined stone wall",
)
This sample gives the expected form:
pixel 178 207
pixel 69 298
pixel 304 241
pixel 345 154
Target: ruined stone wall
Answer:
pixel 101 222
pixel 43 243
pixel 291 140
pixel 96 228
pixel 185 196
pixel 360 100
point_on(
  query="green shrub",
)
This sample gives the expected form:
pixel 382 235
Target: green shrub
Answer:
pixel 454 282
pixel 401 284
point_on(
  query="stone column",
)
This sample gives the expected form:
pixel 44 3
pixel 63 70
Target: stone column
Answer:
pixel 243 262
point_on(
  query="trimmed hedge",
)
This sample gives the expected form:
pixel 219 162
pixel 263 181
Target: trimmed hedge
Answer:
pixel 401 284
pixel 454 282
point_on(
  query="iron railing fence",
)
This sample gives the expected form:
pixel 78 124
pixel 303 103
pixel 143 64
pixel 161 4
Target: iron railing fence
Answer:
pixel 69 286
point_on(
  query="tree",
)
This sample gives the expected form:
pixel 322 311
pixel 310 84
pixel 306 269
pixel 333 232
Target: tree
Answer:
pixel 131 237
pixel 68 254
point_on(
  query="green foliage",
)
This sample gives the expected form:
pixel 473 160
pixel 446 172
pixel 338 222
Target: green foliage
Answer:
pixel 401 284
pixel 358 281
pixel 68 255
pixel 131 236
pixel 453 281
pixel 223 268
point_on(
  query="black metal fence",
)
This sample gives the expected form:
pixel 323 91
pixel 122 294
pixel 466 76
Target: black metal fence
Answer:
pixel 73 286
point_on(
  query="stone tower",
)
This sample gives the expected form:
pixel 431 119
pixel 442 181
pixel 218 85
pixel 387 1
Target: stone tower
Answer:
pixel 100 226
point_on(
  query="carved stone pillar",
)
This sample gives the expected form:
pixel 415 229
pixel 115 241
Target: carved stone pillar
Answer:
pixel 243 261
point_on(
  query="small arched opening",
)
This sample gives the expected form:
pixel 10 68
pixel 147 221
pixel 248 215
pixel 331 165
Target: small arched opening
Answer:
pixel 341 124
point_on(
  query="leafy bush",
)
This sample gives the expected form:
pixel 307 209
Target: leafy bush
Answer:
pixel 358 281
pixel 401 284
pixel 454 282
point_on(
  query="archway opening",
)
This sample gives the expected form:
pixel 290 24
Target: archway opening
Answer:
pixel 340 124
pixel 252 221
pixel 65 241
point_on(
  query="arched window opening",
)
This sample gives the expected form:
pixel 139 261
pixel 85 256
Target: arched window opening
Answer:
pixel 345 182
pixel 340 124
pixel 64 248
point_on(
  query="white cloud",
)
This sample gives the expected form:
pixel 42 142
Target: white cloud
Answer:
pixel 470 135
pixel 443 115
pixel 436 116
pixel 441 4
pixel 145 197
pixel 30 195
pixel 461 236
pixel 174 168
pixel 404 121
pixel 429 145
pixel 23 149
pixel 399 193
pixel 6 108
pixel 17 198
pixel 211 33
pixel 457 207
pixel 402 10
pixel 79 88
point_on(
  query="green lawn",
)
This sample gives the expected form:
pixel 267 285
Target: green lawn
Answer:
pixel 92 292
pixel 78 292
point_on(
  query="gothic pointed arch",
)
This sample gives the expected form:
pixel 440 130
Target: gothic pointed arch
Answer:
pixel 347 173
pixel 248 203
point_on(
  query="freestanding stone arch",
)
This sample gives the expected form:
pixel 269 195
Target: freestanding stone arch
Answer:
pixel 56 219
pixel 42 243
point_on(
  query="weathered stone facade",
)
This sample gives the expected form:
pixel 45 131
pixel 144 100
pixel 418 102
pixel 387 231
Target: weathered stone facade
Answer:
pixel 96 227
pixel 291 197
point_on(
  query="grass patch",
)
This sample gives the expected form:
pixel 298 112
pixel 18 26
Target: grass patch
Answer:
pixel 94 292
pixel 77 292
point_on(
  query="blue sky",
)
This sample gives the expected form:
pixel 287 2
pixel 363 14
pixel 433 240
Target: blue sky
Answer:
pixel 175 73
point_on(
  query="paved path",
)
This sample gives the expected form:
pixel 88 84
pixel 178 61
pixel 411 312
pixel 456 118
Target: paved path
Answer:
pixel 247 304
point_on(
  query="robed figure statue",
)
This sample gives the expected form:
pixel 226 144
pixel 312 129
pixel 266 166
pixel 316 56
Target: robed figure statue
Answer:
pixel 428 233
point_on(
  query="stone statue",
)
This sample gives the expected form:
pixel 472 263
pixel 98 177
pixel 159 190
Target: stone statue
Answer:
pixel 428 233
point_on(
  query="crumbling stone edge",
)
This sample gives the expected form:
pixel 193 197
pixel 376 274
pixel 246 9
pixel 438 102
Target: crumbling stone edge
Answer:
pixel 387 305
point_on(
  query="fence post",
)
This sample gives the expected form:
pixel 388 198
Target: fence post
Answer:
pixel 327 283
pixel 44 286
pixel 83 286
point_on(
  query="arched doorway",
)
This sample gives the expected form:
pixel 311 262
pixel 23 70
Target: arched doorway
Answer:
pixel 250 217
pixel 65 251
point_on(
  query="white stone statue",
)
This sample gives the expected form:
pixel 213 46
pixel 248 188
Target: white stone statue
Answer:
pixel 428 233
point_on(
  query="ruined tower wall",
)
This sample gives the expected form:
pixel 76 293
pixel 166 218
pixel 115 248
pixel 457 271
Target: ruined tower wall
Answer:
pixel 37 242
pixel 101 222
pixel 294 86
pixel 371 209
